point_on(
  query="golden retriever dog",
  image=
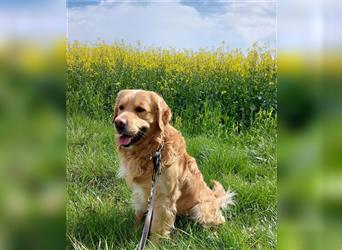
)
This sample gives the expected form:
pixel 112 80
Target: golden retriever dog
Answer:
pixel 142 120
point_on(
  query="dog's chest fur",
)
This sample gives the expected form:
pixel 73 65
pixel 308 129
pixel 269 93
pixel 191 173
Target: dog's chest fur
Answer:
pixel 138 175
pixel 135 170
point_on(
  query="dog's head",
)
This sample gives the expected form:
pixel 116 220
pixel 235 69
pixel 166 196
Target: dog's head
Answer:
pixel 138 115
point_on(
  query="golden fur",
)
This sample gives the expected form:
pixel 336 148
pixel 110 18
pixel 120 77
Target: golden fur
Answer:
pixel 181 189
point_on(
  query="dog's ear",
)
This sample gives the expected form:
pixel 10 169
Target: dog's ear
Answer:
pixel 164 114
pixel 117 100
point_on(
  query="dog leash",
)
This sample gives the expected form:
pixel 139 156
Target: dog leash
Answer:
pixel 156 157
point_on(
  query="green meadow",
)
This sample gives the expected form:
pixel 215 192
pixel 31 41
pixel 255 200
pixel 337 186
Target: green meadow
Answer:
pixel 224 103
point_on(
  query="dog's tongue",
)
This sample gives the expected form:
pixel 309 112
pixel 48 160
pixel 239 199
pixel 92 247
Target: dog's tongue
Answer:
pixel 125 140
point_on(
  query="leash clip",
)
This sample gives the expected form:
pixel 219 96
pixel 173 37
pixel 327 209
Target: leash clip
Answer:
pixel 156 157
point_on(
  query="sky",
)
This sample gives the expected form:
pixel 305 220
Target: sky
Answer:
pixel 177 24
pixel 295 25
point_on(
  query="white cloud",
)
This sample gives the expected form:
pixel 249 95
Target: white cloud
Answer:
pixel 254 22
pixel 173 24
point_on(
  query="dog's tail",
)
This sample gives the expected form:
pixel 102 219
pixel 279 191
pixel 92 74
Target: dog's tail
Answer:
pixel 225 198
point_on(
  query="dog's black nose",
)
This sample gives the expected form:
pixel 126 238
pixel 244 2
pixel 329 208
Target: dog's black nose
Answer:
pixel 120 125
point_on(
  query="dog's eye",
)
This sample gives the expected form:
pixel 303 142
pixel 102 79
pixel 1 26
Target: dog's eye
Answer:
pixel 121 107
pixel 140 109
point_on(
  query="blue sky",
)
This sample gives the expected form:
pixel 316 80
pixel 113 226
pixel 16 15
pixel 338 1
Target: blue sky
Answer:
pixel 180 24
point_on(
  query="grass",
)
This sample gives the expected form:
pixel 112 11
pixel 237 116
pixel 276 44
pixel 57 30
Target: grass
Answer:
pixel 99 214
pixel 225 104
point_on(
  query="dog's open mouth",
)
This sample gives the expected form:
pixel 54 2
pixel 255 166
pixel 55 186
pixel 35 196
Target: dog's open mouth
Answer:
pixel 128 140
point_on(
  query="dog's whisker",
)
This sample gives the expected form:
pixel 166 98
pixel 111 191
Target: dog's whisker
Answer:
pixel 141 132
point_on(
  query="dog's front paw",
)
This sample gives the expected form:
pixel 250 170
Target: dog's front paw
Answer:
pixel 138 219
pixel 156 238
